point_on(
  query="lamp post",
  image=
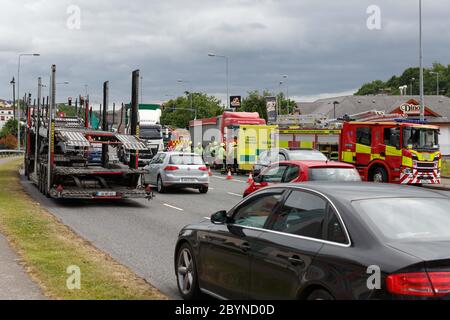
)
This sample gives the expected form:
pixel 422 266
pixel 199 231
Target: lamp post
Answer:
pixel 422 98
pixel 285 76
pixel 280 83
pixel 334 108
pixel 18 94
pixel 437 82
pixel 13 82
pixel 227 74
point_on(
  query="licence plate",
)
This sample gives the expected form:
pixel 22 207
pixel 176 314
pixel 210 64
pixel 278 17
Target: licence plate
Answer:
pixel 188 180
pixel 106 194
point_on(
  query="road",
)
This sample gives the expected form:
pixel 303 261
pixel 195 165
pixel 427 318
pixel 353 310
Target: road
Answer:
pixel 141 234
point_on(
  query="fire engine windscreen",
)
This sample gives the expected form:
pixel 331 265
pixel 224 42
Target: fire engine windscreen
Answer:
pixel 334 174
pixel 150 132
pixel 421 139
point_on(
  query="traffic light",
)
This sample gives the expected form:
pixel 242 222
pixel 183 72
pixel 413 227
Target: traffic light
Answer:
pixel 70 101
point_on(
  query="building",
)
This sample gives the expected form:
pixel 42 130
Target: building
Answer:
pixel 5 115
pixel 437 110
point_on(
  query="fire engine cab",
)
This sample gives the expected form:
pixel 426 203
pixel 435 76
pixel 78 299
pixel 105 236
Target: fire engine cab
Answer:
pixel 398 152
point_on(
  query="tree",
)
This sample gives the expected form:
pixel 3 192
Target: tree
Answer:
pixel 69 111
pixel 177 112
pixel 256 102
pixel 8 142
pixel 9 128
pixel 392 85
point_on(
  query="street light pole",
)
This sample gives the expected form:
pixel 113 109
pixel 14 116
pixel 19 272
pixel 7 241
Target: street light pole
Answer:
pixel 227 74
pixel 279 98
pixel 422 98
pixel 13 82
pixel 18 95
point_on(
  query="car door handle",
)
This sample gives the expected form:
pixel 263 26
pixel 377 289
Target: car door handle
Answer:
pixel 296 261
pixel 245 246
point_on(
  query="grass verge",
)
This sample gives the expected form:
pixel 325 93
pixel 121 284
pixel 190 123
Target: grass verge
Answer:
pixel 47 248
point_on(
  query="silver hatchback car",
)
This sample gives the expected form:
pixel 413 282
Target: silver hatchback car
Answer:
pixel 177 170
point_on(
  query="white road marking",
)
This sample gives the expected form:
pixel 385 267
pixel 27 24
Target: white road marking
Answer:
pixel 235 194
pixel 217 177
pixel 176 208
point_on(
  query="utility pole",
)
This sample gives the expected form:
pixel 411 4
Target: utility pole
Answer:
pixel 422 98
pixel 13 82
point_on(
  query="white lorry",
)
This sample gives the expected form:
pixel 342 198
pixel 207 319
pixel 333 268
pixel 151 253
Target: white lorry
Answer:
pixel 150 131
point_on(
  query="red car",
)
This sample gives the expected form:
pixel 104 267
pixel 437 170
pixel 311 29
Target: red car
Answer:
pixel 300 171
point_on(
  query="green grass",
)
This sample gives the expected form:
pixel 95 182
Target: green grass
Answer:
pixel 446 168
pixel 47 247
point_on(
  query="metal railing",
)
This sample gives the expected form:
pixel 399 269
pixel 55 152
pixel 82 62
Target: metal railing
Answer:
pixel 10 153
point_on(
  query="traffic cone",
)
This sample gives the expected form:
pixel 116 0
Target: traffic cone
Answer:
pixel 210 172
pixel 229 176
pixel 250 178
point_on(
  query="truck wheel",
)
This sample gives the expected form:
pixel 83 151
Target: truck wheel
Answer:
pixel 160 186
pixel 380 175
pixel 203 189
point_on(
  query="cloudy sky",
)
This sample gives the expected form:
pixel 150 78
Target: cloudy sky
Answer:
pixel 325 47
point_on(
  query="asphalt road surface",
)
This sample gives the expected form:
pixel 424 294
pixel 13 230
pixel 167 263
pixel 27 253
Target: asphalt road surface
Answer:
pixel 141 234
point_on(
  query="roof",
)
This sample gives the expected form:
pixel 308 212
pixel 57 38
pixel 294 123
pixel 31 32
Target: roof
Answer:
pixel 356 104
pixel 318 163
pixel 351 191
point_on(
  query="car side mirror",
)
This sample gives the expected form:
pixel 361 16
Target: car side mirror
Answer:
pixel 258 179
pixel 220 217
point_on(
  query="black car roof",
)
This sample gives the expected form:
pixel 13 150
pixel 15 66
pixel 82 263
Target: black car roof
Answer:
pixel 351 191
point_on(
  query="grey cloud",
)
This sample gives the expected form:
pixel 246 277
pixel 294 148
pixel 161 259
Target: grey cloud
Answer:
pixel 324 46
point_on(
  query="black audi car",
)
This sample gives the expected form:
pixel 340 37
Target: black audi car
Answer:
pixel 321 241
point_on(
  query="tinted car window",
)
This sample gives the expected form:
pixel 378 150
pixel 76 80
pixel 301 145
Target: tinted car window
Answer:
pixel 302 214
pixel 335 230
pixel 407 219
pixel 334 174
pixel 274 174
pixel 292 173
pixel 254 213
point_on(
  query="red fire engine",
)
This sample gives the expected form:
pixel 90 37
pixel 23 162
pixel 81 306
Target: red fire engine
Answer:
pixel 384 148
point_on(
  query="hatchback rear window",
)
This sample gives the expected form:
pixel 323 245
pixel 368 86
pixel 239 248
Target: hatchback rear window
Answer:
pixel 334 174
pixel 306 155
pixel 186 159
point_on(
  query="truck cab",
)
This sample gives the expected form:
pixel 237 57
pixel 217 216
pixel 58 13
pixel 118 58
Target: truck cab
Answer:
pixel 399 152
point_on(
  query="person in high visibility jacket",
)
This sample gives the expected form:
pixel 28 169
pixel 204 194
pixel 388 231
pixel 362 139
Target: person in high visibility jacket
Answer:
pixel 199 149
pixel 179 146
pixel 221 155
pixel 187 147
pixel 232 155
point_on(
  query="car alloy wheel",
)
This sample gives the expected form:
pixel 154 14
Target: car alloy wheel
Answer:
pixel 161 188
pixel 185 272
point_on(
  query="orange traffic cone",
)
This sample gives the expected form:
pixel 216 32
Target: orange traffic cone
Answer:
pixel 250 178
pixel 210 172
pixel 229 176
